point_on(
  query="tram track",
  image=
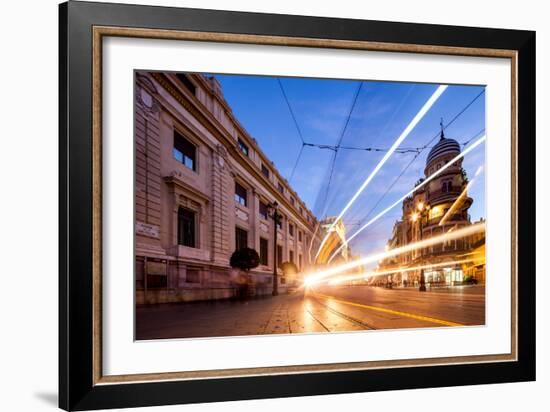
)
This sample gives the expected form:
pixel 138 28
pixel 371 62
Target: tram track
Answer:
pixel 358 322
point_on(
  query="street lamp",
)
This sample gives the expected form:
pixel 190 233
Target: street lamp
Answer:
pixel 273 214
pixel 419 216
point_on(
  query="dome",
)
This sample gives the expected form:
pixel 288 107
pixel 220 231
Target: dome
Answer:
pixel 443 147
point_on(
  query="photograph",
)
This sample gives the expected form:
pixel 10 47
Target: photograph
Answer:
pixel 292 205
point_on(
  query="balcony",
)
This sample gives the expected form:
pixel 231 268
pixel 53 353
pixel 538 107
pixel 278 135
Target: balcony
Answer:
pixel 440 196
pixel 458 216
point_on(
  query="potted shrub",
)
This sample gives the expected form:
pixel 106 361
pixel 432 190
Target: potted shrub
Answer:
pixel 244 259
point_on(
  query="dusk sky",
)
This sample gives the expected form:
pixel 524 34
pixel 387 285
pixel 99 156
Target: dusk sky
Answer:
pixel 381 112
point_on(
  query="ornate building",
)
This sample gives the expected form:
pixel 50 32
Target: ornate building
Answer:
pixel 435 208
pixel 202 190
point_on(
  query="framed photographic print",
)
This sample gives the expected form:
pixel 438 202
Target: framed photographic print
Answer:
pixel 257 205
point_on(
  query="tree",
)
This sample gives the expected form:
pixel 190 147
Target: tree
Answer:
pixel 289 268
pixel 245 259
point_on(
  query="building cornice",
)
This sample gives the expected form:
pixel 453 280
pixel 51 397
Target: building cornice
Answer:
pixel 244 133
pixel 203 115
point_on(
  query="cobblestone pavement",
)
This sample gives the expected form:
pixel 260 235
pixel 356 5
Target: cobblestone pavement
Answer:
pixel 328 309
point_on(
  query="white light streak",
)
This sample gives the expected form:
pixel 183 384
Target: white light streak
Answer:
pixel 397 269
pixel 395 145
pixel 445 237
pixel 312 239
pixel 433 176
pixel 460 199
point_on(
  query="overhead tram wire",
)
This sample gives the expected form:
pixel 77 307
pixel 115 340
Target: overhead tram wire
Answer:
pixel 402 150
pixel 424 182
pixel 296 164
pixel 337 147
pixel 390 187
pixel 297 128
pixel 419 150
pixel 411 125
pixel 390 121
pixel 291 111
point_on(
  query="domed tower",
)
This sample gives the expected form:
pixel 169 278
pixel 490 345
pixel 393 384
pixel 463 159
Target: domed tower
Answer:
pixel 438 207
pixel 444 190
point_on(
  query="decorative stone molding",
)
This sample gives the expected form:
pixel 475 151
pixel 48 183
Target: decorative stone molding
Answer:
pixel 177 180
pixel 145 95
pixel 184 201
pixel 241 214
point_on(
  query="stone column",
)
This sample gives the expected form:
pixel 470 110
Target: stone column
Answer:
pixel 220 204
pixel 286 246
pixel 254 220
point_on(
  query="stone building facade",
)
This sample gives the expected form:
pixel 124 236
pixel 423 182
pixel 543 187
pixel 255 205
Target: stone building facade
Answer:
pixel 202 186
pixel 434 209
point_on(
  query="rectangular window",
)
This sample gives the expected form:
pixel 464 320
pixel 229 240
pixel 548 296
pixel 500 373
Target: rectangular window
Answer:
pixel 186 227
pixel 299 262
pixel 279 255
pixel 265 171
pixel 299 235
pixel 281 188
pixel 264 245
pixel 291 256
pixel 263 210
pixel 291 229
pixel 241 238
pixel 184 79
pixel 240 194
pixel 292 201
pixel 184 151
pixel 242 147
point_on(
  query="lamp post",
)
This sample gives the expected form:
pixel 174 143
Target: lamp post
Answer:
pixel 422 212
pixel 273 214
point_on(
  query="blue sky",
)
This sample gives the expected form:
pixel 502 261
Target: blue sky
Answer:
pixel 381 112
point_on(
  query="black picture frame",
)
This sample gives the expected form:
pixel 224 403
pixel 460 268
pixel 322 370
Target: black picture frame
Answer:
pixel 77 390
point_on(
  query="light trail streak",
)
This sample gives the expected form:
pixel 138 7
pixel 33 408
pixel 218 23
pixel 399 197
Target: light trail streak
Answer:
pixel 391 311
pixel 397 269
pixel 460 199
pixel 425 182
pixel 312 239
pixel 445 237
pixel 392 149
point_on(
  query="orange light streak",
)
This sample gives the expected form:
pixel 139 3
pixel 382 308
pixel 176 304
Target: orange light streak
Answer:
pixel 460 199
pixel 398 269
pixel 445 237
